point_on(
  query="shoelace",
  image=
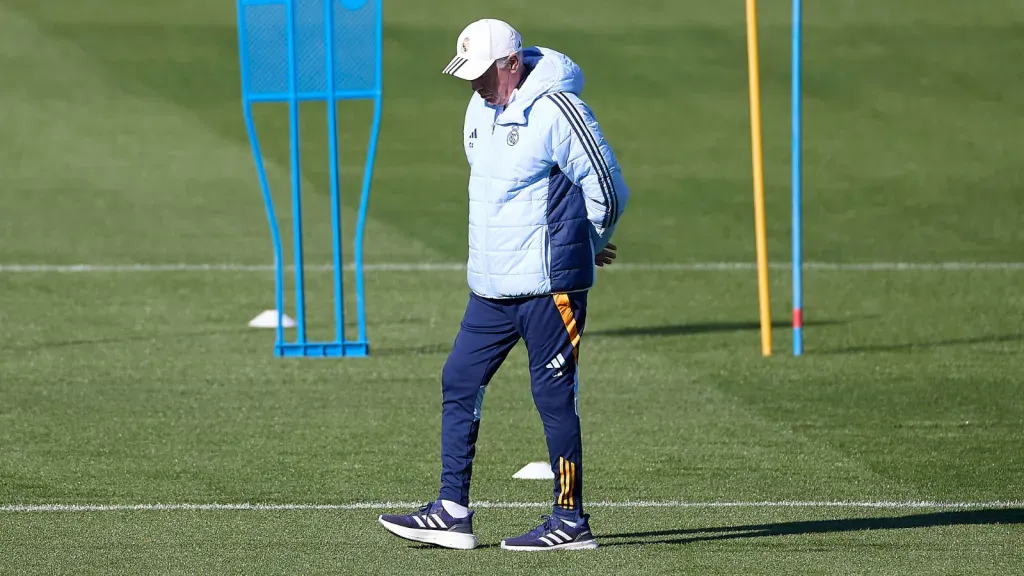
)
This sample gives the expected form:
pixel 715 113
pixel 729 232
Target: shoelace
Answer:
pixel 424 510
pixel 549 525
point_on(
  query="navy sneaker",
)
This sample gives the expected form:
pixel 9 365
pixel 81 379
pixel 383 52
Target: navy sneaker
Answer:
pixel 431 524
pixel 554 534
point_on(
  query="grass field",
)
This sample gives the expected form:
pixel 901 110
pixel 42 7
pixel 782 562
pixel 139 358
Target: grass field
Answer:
pixel 124 144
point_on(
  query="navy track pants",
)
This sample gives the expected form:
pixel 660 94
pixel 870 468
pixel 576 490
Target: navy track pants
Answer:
pixel 551 327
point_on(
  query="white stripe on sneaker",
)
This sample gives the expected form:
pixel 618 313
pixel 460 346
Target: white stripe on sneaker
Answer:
pixel 430 522
pixel 437 518
pixel 562 534
pixel 545 540
pixel 418 521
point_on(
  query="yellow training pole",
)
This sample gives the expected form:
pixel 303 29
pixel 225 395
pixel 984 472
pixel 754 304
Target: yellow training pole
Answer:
pixel 755 139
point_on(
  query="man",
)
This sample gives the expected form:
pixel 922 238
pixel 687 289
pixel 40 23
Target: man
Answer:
pixel 545 194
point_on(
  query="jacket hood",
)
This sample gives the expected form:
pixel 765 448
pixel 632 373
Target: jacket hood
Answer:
pixel 550 72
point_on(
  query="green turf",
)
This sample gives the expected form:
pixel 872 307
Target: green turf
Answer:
pixel 712 542
pixel 125 144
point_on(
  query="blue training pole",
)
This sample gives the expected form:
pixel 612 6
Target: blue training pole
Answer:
pixel 296 165
pixel 332 146
pixel 798 313
pixel 275 231
pixel 371 154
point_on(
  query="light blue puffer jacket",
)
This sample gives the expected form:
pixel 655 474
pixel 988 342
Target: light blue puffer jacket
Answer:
pixel 545 189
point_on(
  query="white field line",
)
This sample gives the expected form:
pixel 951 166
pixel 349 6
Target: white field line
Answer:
pixel 891 505
pixel 456 267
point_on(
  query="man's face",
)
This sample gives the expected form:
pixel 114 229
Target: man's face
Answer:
pixel 496 85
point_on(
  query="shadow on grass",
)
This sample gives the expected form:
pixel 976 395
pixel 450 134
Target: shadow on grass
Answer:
pixel 424 350
pixel 689 536
pixel 665 330
pixel 699 328
pixel 126 339
pixel 912 346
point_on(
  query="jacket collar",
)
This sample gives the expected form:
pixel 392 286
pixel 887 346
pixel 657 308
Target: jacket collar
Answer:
pixel 548 72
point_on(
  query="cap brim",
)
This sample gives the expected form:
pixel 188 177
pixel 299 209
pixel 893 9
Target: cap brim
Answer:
pixel 467 69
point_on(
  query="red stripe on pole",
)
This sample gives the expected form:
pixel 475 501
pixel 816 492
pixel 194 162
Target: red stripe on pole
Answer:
pixel 798 318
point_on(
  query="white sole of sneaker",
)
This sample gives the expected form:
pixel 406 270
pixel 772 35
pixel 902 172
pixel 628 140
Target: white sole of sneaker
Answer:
pixel 455 540
pixel 586 545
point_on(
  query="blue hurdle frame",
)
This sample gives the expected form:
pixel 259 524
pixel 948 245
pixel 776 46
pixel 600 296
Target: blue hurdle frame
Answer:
pixel 293 96
pixel 796 164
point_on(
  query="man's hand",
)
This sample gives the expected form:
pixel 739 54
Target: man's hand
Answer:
pixel 607 255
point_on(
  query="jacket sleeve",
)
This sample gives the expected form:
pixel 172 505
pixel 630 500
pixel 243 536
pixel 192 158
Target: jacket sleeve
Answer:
pixel 583 155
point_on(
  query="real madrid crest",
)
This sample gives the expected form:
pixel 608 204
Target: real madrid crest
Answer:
pixel 465 44
pixel 513 136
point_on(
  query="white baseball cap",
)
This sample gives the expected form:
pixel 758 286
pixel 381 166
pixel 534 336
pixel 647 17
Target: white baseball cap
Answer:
pixel 479 45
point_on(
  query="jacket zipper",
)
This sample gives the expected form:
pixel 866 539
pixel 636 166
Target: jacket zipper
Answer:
pixel 487 197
